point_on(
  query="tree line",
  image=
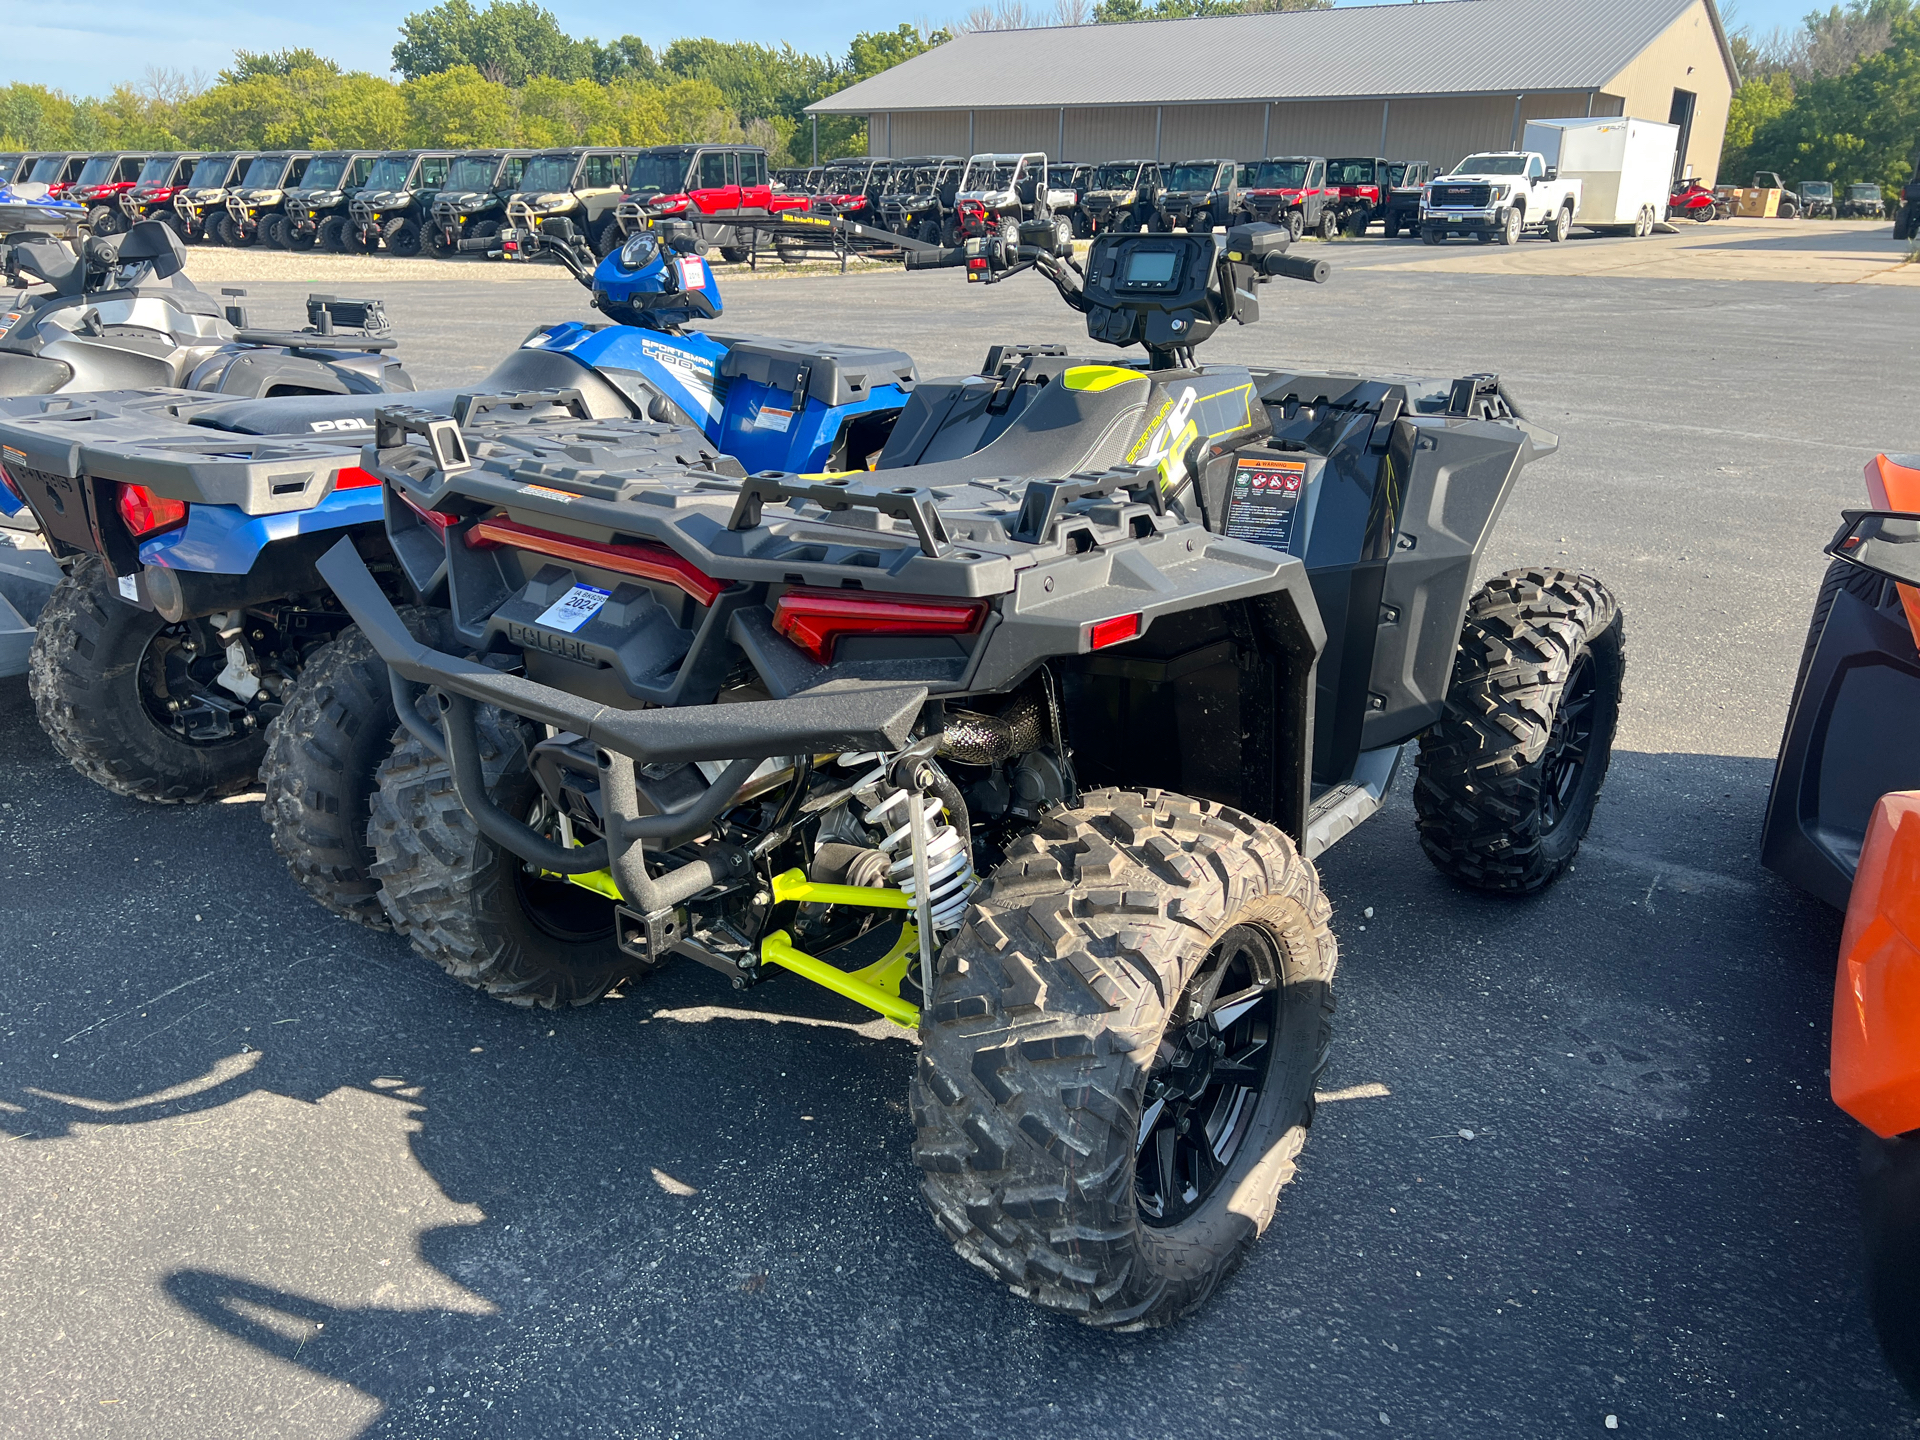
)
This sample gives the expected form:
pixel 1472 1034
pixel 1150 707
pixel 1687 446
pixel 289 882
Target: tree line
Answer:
pixel 1836 99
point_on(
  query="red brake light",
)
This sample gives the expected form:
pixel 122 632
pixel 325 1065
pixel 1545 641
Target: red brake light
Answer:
pixel 355 478
pixel 1111 632
pixel 147 513
pixel 816 619
pixel 642 560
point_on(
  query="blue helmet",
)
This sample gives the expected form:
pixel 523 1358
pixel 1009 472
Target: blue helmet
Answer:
pixel 647 283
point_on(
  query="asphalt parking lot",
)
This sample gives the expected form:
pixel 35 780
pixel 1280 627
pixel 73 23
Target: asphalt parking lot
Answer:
pixel 267 1174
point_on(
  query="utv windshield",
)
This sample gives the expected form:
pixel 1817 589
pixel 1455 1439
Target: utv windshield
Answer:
pixel 549 172
pixel 472 172
pixel 1817 189
pixel 658 175
pixel 325 172
pixel 1115 177
pixel 1062 177
pixel 1862 192
pixel 1279 175
pixel 390 172
pixel 98 170
pixel 158 170
pixel 47 170
pixel 1492 165
pixel 1190 177
pixel 842 180
pixel 265 173
pixel 1350 172
pixel 211 173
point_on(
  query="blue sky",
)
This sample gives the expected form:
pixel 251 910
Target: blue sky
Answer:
pixel 85 46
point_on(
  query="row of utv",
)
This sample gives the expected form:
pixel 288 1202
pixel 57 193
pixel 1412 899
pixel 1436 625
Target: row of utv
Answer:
pixel 429 202
pixel 1015 707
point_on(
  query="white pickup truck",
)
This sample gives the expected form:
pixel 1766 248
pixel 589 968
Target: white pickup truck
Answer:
pixel 1499 195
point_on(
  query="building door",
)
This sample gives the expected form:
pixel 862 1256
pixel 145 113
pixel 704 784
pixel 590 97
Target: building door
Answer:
pixel 1682 115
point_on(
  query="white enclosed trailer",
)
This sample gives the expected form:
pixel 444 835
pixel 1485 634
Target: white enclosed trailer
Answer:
pixel 1625 167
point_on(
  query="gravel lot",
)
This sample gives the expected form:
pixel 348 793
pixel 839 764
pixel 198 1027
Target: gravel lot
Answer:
pixel 270 1175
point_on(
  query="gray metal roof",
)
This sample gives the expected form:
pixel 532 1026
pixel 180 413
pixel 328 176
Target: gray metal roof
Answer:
pixel 1443 47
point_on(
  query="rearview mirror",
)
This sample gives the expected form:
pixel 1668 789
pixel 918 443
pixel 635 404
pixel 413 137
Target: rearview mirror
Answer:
pixel 1881 541
pixel 1553 172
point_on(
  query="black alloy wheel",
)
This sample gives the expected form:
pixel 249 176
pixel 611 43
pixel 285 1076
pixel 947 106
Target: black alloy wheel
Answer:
pixel 1569 745
pixel 1204 1087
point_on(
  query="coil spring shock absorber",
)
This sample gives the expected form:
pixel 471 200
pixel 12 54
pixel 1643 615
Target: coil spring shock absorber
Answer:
pixel 950 877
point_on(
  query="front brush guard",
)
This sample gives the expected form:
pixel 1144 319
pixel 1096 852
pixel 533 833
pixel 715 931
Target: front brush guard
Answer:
pixel 855 719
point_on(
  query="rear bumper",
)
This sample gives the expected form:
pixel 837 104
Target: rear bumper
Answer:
pixel 867 718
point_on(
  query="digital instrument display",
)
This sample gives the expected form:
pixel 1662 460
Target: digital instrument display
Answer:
pixel 1151 267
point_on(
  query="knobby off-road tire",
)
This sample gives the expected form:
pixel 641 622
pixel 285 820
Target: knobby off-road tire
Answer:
pixel 333 234
pixel 1329 225
pixel 1509 777
pixel 1107 931
pixel 323 755
pixel 402 235
pixel 471 907
pixel 105 220
pixel 85 676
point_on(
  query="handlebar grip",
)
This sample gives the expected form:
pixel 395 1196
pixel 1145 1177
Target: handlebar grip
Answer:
pixel 1299 267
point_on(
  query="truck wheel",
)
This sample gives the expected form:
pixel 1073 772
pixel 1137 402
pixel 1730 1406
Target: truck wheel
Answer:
pixel 734 254
pixel 1119 1058
pixel 1563 222
pixel 105 220
pixel 322 756
pixel 102 674
pixel 1509 776
pixel 1296 223
pixel 333 234
pixel 402 236
pixel 1391 227
pixel 1509 231
pixel 1329 225
pixel 1431 234
pixel 478 912
pixel 1902 223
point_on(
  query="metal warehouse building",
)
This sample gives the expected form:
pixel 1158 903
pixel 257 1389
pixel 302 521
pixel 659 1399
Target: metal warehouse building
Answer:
pixel 1432 81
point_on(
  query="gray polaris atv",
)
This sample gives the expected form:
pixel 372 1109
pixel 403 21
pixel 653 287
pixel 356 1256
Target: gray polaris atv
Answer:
pixel 117 312
pixel 1029 750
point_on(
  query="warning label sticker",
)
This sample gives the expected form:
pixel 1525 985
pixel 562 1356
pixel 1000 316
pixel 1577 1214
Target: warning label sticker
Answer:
pixel 1261 504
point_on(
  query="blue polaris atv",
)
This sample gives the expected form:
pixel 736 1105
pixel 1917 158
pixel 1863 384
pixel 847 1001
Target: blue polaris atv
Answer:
pixel 187 613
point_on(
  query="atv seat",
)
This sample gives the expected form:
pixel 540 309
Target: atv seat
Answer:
pixel 1084 420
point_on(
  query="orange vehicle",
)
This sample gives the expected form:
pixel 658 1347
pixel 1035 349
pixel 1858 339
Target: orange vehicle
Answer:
pixel 1853 732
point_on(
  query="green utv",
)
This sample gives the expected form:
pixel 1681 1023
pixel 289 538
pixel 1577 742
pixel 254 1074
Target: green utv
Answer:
pixel 1024 738
pixel 582 186
pixel 472 204
pixel 395 206
pixel 256 206
pixel 316 208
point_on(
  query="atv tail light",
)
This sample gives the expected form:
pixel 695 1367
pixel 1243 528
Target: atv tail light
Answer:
pixel 816 619
pixel 641 560
pixel 147 513
pixel 1103 633
pixel 438 520
pixel 355 478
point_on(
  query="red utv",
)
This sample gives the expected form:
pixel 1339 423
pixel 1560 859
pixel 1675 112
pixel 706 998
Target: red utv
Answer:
pixel 1292 191
pixel 708 186
pixel 99 186
pixel 55 170
pixel 150 197
pixel 1361 189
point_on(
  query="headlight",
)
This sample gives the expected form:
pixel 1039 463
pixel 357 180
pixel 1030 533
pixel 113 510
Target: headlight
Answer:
pixel 1500 192
pixel 638 251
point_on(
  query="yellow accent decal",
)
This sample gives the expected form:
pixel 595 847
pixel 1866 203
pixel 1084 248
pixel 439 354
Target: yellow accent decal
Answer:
pixel 1098 377
pixel 598 881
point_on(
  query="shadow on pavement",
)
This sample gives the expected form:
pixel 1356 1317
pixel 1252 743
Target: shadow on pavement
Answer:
pixel 273 1175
